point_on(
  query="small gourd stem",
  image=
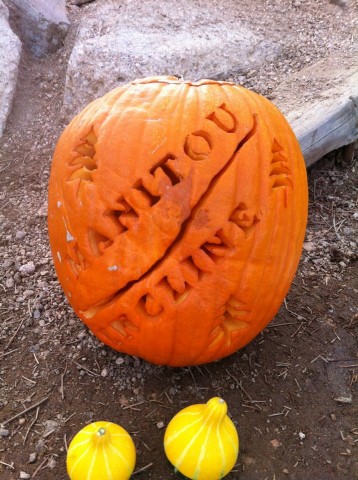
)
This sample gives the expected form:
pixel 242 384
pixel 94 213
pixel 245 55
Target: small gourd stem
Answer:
pixel 215 410
pixel 101 431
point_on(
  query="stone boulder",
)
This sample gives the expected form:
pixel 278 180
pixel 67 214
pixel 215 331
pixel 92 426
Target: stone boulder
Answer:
pixel 10 50
pixel 43 23
pixel 121 41
pixel 321 104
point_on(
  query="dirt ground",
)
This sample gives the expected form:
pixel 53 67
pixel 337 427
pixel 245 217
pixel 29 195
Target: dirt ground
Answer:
pixel 292 392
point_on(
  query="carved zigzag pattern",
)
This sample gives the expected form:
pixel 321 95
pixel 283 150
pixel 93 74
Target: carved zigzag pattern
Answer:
pixel 85 161
pixel 234 319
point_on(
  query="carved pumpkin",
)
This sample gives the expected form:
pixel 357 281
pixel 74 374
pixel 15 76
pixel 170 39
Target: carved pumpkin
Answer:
pixel 201 441
pixel 177 213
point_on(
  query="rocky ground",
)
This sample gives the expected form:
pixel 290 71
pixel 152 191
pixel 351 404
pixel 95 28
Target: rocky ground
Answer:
pixel 292 392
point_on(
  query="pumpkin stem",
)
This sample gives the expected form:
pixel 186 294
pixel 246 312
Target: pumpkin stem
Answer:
pixel 101 431
pixel 215 410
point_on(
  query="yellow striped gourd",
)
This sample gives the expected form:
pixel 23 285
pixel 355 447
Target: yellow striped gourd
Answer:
pixel 202 442
pixel 101 451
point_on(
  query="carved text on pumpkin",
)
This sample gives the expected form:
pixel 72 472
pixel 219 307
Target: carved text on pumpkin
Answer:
pixel 123 214
pixel 182 277
pixel 224 119
pixel 176 286
pixel 145 193
pixel 148 190
pixel 198 145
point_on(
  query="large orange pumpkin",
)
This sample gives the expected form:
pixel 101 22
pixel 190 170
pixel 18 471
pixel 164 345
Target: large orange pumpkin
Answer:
pixel 177 212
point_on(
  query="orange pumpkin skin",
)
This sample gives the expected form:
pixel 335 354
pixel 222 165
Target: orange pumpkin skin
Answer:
pixel 177 213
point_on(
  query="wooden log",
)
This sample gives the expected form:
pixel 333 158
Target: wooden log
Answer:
pixel 321 104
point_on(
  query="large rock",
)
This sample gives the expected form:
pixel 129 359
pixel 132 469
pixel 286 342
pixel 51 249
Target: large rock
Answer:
pixel 321 104
pixel 128 40
pixel 43 23
pixel 10 50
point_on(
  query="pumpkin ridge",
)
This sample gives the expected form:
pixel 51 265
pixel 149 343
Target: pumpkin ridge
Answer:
pixel 106 463
pixel 229 438
pixel 80 458
pixel 201 456
pixel 193 439
pixel 174 436
pixel 93 461
pixel 119 454
pixel 219 427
